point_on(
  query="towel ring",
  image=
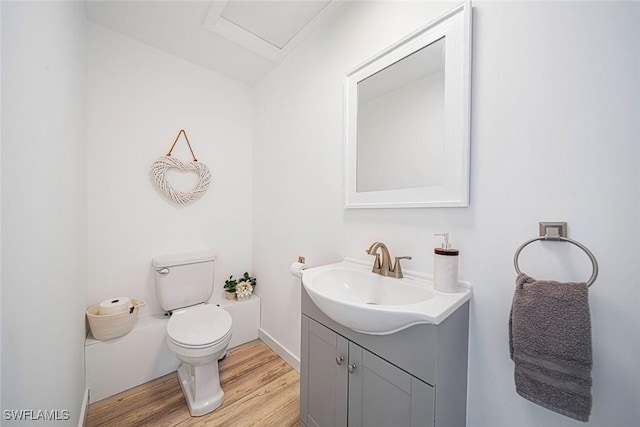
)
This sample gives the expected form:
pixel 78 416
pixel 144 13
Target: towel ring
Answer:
pixel 594 262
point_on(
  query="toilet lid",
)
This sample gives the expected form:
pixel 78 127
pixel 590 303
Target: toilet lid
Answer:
pixel 199 325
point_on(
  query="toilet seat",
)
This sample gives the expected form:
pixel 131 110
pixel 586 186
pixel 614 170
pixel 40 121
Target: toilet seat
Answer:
pixel 199 326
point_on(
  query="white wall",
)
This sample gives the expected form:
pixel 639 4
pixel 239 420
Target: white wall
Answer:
pixel 43 208
pixel 1 406
pixel 555 135
pixel 139 98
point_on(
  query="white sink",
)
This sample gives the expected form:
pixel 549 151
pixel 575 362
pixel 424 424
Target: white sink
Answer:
pixel 350 294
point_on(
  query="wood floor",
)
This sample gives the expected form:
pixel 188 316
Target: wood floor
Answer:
pixel 260 389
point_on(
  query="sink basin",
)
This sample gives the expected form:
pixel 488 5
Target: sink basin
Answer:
pixel 350 294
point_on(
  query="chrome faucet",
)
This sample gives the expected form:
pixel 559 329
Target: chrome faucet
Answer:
pixel 383 267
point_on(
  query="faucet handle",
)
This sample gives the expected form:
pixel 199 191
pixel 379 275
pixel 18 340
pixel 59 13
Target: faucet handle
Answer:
pixel 397 269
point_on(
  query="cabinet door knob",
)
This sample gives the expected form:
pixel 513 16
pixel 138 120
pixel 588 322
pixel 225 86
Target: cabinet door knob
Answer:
pixel 351 368
pixel 339 360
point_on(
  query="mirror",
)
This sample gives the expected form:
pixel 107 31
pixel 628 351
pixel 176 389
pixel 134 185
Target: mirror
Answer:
pixel 408 120
pixel 403 103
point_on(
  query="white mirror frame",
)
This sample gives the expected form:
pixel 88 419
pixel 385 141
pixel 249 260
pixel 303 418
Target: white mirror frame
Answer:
pixel 454 191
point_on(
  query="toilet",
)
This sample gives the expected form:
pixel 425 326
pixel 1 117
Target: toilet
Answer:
pixel 197 332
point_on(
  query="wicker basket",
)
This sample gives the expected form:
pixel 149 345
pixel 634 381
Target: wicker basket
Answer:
pixel 109 326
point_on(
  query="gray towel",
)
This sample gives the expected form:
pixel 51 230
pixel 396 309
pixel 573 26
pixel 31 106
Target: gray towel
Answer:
pixel 550 343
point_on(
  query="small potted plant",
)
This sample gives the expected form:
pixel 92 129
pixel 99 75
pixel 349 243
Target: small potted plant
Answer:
pixel 244 287
pixel 230 287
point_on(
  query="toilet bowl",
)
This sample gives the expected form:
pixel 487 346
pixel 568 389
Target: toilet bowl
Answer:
pixel 199 336
pixel 197 332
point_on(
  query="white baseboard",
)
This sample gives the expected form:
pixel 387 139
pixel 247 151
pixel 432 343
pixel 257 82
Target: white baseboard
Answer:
pixel 84 409
pixel 286 355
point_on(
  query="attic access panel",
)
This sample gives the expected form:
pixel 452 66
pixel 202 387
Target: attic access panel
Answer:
pixel 269 28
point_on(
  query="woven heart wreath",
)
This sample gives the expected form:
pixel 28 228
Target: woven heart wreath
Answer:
pixel 161 166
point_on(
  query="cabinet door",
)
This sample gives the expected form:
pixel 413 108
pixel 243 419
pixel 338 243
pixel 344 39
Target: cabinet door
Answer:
pixel 382 395
pixel 323 379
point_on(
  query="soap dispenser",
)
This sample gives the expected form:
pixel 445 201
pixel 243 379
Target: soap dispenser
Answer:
pixel 445 266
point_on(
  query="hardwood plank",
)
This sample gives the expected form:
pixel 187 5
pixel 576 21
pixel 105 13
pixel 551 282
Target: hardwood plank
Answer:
pixel 287 415
pixel 159 402
pixel 260 389
pixel 239 387
pixel 157 399
pixel 253 408
pixel 243 361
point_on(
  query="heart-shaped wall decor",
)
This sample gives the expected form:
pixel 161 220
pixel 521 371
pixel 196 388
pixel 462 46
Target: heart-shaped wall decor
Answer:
pixel 159 175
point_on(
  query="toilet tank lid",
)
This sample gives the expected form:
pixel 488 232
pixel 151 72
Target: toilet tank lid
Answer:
pixel 181 259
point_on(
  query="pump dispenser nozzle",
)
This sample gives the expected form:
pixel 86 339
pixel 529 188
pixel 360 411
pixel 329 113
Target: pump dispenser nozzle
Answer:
pixel 445 244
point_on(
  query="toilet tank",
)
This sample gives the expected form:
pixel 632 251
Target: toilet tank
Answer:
pixel 183 280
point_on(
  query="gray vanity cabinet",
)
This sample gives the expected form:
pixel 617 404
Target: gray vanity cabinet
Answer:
pixel 382 395
pixel 346 385
pixel 325 380
pixel 358 380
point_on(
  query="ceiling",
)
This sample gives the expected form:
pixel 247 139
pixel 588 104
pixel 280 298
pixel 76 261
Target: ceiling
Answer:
pixel 240 39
